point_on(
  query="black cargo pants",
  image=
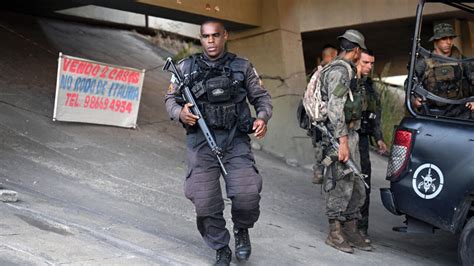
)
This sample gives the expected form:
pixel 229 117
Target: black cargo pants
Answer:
pixel 243 185
pixel 366 168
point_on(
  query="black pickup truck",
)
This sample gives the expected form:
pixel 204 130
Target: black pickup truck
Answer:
pixel 431 164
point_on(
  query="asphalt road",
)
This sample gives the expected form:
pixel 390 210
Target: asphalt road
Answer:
pixel 92 194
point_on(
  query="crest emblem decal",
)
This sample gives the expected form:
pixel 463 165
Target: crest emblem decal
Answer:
pixel 428 181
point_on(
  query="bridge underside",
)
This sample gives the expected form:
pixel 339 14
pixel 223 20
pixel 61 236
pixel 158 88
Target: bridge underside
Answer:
pixel 48 7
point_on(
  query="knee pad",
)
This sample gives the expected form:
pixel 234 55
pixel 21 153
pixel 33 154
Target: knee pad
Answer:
pixel 246 202
pixel 205 192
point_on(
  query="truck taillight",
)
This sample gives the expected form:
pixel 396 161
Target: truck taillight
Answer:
pixel 399 154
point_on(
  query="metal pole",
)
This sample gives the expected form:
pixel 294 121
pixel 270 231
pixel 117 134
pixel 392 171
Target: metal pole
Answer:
pixel 414 48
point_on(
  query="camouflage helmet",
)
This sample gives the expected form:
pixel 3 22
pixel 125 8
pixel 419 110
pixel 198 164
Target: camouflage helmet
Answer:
pixel 442 30
pixel 354 36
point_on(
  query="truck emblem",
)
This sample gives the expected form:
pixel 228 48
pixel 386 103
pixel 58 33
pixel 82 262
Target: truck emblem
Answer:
pixel 427 183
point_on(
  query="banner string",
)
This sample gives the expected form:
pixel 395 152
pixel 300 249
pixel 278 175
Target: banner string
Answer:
pixel 154 68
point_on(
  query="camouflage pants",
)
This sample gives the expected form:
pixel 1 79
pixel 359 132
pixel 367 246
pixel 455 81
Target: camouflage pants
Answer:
pixel 318 155
pixel 344 201
pixel 319 147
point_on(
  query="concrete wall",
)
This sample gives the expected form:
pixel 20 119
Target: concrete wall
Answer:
pixel 275 49
pixel 467 31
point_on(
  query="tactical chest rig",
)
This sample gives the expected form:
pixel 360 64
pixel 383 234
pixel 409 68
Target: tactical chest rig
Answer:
pixel 218 88
pixel 445 79
pixel 353 107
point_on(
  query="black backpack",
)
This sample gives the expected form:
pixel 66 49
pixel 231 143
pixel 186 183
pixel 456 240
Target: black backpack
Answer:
pixel 303 118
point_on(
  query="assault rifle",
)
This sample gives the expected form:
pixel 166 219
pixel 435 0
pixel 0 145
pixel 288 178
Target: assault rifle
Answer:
pixel 335 145
pixel 169 66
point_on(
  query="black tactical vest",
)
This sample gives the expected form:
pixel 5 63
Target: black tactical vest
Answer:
pixel 445 79
pixel 219 91
pixel 369 112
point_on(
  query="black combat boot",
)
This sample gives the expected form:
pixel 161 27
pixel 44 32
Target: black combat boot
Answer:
pixel 242 244
pixel 223 256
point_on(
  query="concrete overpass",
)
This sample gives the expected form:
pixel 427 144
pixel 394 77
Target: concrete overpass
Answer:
pixel 282 38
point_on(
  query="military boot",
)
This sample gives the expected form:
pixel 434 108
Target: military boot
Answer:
pixel 223 256
pixel 336 237
pixel 354 237
pixel 242 244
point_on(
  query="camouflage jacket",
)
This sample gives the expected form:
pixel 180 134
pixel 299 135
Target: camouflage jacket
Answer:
pixel 336 86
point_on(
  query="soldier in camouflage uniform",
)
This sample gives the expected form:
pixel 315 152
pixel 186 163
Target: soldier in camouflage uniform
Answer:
pixel 222 83
pixel 345 191
pixel 446 79
pixel 370 127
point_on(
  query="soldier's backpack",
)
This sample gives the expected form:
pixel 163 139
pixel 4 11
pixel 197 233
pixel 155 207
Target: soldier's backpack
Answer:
pixel 302 116
pixel 314 105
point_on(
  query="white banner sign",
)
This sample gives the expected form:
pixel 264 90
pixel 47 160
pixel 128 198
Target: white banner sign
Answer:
pixel 93 92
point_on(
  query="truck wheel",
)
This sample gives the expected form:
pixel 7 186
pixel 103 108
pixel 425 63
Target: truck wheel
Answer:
pixel 466 244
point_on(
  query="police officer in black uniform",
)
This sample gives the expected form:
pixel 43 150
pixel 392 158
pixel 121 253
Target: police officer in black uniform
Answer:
pixel 370 127
pixel 221 83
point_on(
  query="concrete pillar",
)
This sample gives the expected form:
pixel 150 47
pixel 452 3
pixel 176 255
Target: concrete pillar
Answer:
pixel 276 51
pixel 458 42
pixel 467 33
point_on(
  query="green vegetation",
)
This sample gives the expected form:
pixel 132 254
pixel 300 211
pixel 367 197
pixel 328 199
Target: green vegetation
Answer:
pixel 178 46
pixel 393 109
pixel 187 50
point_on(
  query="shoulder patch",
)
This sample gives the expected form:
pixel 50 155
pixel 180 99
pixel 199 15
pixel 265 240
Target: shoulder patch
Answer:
pixel 340 90
pixel 260 82
pixel 170 88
